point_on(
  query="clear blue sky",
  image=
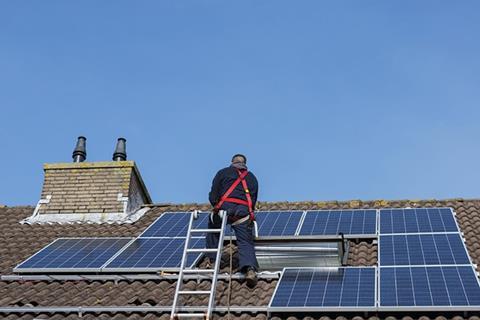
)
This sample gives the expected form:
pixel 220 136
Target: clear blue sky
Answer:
pixel 329 100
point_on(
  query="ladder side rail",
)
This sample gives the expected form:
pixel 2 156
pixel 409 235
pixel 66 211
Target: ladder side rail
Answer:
pixel 182 266
pixel 218 259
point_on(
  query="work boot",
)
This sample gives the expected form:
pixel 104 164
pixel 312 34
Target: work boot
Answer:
pixel 251 278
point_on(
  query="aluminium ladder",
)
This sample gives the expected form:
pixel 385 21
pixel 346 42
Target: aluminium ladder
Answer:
pixel 184 269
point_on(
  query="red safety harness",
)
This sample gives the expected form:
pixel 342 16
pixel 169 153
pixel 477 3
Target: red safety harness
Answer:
pixel 248 202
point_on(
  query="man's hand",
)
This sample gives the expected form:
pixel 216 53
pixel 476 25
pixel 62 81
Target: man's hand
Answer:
pixel 215 217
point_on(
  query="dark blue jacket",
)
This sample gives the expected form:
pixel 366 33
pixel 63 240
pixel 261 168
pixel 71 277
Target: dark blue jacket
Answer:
pixel 225 178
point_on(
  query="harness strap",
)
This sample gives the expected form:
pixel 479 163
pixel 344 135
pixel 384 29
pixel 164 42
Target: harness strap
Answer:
pixel 241 176
pixel 241 220
pixel 237 201
pixel 248 202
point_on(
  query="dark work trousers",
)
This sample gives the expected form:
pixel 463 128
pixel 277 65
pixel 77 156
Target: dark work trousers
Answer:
pixel 245 240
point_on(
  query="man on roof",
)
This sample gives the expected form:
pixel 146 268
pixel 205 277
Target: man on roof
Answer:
pixel 235 190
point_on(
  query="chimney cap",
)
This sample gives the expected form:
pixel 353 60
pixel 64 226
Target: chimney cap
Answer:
pixel 120 153
pixel 80 152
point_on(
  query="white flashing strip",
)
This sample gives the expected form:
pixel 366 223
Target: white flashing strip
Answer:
pixel 91 217
pixel 37 208
pixel 99 218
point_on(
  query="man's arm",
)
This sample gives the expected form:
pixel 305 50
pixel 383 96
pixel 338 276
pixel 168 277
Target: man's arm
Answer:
pixel 254 190
pixel 214 194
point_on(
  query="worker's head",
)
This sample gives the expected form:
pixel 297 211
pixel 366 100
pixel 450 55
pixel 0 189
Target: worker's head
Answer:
pixel 239 158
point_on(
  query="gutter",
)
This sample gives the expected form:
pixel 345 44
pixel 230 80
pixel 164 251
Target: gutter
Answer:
pixel 125 309
pixel 120 277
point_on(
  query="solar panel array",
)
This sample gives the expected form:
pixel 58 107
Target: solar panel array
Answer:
pixel 342 289
pixel 423 262
pixel 423 265
pixel 159 247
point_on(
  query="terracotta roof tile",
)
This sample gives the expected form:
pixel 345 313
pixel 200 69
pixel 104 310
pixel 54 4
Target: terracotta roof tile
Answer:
pixel 17 242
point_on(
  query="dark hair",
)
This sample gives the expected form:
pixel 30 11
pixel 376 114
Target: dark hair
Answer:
pixel 240 155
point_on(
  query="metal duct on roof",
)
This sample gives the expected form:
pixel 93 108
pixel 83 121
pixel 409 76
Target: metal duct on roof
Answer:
pixel 276 255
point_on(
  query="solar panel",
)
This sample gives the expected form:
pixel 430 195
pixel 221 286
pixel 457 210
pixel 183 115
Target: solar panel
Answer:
pixel 418 220
pixel 422 249
pixel 322 289
pixel 153 254
pixel 334 222
pixel 277 223
pixel 174 224
pixel 429 288
pixel 73 254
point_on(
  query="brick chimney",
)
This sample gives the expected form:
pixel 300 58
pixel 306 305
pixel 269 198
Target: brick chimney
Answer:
pixel 97 192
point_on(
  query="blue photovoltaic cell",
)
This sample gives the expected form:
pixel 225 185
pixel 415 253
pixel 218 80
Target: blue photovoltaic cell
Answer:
pixel 174 224
pixel 155 254
pixel 277 223
pixel 447 286
pixel 418 220
pixel 333 222
pixel 422 249
pixel 325 288
pixel 63 253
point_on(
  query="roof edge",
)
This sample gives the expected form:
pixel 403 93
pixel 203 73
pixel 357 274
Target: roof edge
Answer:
pixel 142 184
pixel 326 203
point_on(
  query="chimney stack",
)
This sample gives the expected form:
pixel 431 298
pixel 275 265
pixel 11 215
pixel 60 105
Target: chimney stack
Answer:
pixel 120 153
pixel 86 192
pixel 80 151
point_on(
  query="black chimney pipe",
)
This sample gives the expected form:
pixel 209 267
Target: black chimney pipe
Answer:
pixel 120 153
pixel 80 151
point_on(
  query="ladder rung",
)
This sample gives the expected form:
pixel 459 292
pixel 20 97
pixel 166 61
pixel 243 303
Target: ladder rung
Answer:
pixel 194 292
pixel 202 250
pixel 199 271
pixel 192 315
pixel 206 230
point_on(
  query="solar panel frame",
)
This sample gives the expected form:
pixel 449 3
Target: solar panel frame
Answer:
pixel 177 251
pixel 310 235
pixel 20 269
pixel 432 307
pixel 325 308
pixel 456 229
pixel 433 235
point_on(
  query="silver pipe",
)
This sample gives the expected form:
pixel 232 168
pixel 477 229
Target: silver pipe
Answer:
pixel 223 276
pixel 123 309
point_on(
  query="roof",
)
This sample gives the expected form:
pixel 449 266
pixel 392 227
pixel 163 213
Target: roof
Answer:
pixel 19 241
